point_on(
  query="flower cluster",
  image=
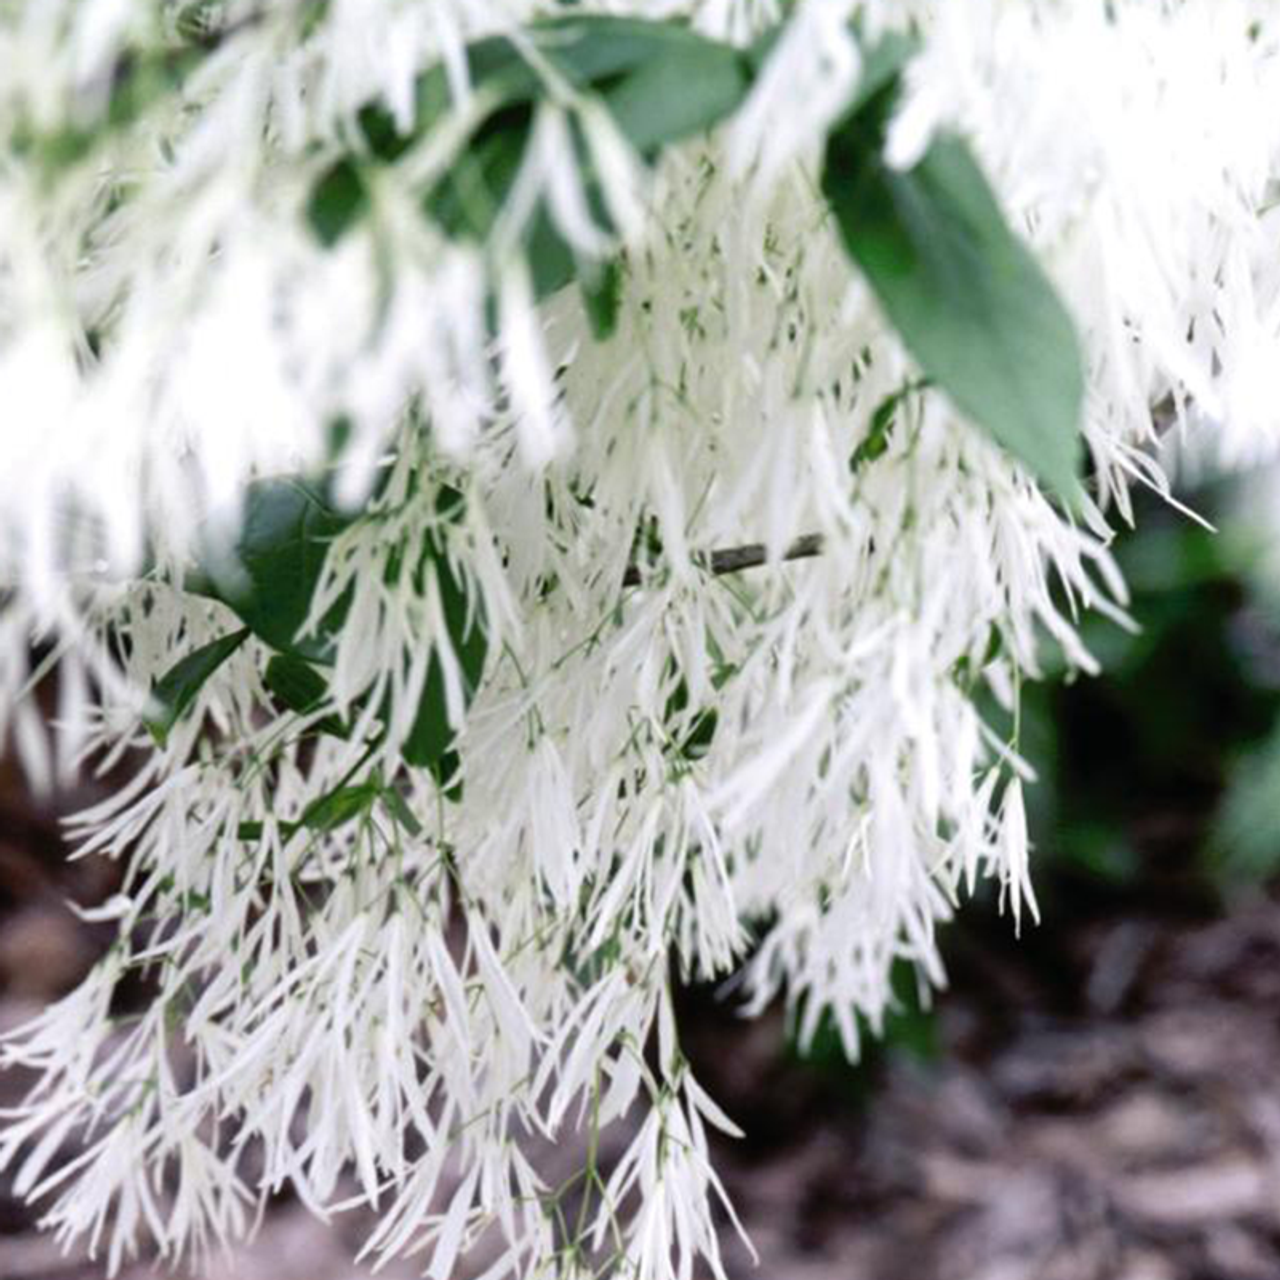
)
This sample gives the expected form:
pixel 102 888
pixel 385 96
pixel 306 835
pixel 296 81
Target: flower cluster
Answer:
pixel 736 573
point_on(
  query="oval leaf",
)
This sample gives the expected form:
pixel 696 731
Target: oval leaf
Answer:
pixel 337 202
pixel 277 562
pixel 968 299
pixel 679 93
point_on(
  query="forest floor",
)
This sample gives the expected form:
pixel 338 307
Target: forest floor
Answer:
pixel 1101 1101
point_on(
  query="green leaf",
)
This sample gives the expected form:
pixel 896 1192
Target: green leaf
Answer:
pixel 466 202
pixel 701 734
pixel 967 297
pixel 277 562
pixel 588 50
pixel 662 82
pixel 602 299
pixel 447 771
pixel 876 442
pixel 337 202
pixel 381 134
pixel 430 743
pixel 401 814
pixel 297 684
pixel 699 731
pixel 326 813
pixel 139 81
pixel 881 71
pixel 682 91
pixel 340 806
pixel 431 738
pixel 177 689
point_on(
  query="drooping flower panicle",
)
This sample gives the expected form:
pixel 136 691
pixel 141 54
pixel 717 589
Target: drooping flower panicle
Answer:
pixel 541 494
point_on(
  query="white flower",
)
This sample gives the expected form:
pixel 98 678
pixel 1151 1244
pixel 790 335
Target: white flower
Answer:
pixel 662 761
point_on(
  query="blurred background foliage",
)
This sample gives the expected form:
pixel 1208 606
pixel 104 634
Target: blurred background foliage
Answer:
pixel 1161 776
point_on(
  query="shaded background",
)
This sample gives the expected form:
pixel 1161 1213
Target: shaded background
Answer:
pixel 1099 1100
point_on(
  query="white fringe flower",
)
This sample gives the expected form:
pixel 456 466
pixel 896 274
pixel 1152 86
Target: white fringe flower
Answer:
pixel 395 986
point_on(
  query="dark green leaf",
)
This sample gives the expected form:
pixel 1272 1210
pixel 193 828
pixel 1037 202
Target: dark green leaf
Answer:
pixel 337 202
pixel 177 689
pixel 964 293
pixel 602 297
pixel 551 261
pixel 696 740
pixel 297 684
pixel 447 771
pixel 661 81
pixel 381 134
pixel 277 562
pixel 326 813
pixel 301 688
pixel 138 82
pixel 431 737
pixel 467 201
pixel 338 807
pixel 451 504
pixel 876 441
pixel 701 734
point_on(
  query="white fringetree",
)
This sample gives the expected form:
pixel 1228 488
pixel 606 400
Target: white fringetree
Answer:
pixel 534 490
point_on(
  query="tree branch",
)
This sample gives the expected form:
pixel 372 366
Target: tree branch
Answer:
pixel 735 559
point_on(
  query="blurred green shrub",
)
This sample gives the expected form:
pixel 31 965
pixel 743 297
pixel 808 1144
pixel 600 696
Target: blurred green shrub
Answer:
pixel 1164 771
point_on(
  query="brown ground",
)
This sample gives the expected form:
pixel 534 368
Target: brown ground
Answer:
pixel 1105 1106
pixel 1135 1139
